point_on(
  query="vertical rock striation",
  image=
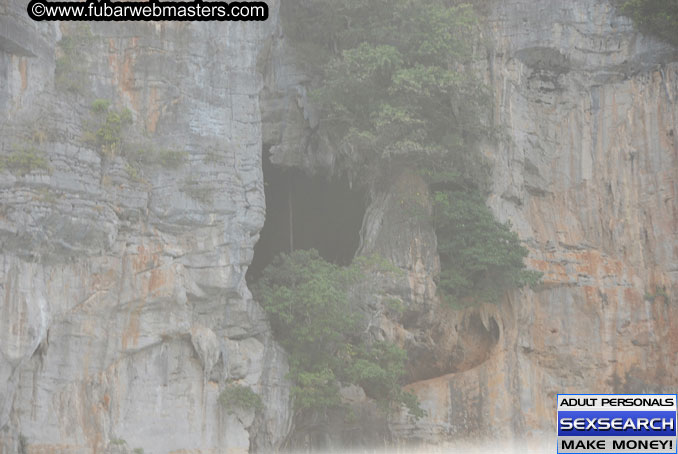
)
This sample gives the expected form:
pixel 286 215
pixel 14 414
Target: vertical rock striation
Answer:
pixel 124 308
pixel 587 175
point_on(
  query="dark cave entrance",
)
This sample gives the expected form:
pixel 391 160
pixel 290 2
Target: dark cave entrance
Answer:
pixel 307 212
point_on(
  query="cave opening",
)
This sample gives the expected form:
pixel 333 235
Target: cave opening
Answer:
pixel 307 212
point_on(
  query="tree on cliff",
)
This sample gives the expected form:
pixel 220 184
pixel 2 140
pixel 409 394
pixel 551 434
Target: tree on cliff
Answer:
pixel 480 257
pixel 396 85
pixel 307 300
pixel 395 80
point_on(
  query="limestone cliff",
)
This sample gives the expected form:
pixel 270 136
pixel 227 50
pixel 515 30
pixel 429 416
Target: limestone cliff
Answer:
pixel 124 309
pixel 586 172
pixel 587 175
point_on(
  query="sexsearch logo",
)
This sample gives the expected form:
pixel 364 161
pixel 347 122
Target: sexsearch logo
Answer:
pixel 617 423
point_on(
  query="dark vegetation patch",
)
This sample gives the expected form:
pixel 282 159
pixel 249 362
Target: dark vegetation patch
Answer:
pixel 655 17
pixel 314 319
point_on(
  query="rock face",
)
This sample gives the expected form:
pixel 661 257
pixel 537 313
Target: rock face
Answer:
pixel 123 304
pixel 587 174
pixel 588 178
pixel 124 308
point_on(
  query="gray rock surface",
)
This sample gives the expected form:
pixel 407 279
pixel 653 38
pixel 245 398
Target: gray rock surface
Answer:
pixel 124 307
pixel 587 175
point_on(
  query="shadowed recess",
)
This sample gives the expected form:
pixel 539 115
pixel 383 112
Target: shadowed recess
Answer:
pixel 307 212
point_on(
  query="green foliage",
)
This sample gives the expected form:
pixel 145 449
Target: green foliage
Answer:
pixel 239 396
pixel 107 131
pixel 395 79
pixel 138 451
pixel 307 300
pixel 133 172
pixel 70 72
pixel 118 441
pixel 378 368
pixel 24 160
pixel 480 258
pixel 396 84
pixel 107 127
pixel 659 17
pixel 100 105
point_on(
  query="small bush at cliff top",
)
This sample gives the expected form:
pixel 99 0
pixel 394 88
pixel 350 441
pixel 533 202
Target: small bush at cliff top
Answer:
pixel 480 258
pixel 658 17
pixel 307 300
pixel 239 396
